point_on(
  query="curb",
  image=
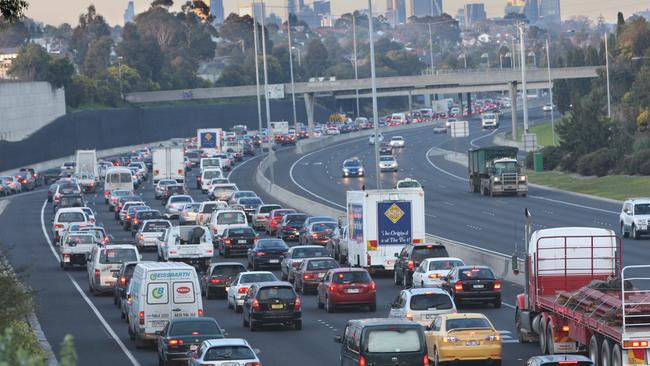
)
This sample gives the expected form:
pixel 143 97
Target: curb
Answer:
pixel 42 339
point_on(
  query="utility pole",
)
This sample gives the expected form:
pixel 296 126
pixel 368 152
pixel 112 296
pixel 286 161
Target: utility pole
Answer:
pixel 356 63
pixel 524 93
pixel 257 73
pixel 550 89
pixel 431 42
pixel 266 94
pixel 375 113
pixel 293 90
pixel 609 99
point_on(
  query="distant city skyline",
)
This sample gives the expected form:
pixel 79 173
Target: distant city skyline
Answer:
pixel 68 11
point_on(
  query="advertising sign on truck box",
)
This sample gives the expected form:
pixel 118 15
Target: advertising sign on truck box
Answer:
pixel 209 140
pixel 394 223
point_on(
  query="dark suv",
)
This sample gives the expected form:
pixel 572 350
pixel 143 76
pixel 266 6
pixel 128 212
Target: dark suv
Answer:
pixel 410 257
pixel 272 303
pixel 473 284
pixel 171 190
pixel 69 200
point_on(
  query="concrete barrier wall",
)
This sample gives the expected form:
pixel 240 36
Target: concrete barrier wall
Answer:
pixel 26 107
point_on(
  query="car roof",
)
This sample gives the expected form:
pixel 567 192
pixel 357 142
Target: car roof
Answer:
pixel 318 258
pixel 226 342
pixel 218 264
pixel 639 200
pixel 274 284
pixel 385 321
pixel 119 246
pixel 428 290
pixel 464 316
pixel 347 269
pixel 440 259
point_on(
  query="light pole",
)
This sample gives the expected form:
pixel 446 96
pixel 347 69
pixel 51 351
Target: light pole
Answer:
pixel 375 113
pixel 266 93
pixel 524 93
pixel 609 100
pixel 356 64
pixel 550 89
pixel 119 74
pixel 532 54
pixel 257 72
pixel 464 57
pixel 293 90
pixel 431 41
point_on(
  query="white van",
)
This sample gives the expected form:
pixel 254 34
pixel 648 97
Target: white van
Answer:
pixel 210 163
pixel 222 219
pixel 118 178
pixel 65 217
pixel 159 292
pixel 206 178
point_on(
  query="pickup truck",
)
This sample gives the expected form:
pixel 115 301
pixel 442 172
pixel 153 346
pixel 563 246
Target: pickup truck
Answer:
pixel 191 244
pixel 75 249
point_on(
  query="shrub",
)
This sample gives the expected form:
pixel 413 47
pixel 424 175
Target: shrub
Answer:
pixel 530 160
pixel 552 157
pixel 19 346
pixel 598 163
pixel 639 163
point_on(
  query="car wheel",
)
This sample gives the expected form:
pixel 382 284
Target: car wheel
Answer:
pixel 405 280
pixel 252 325
pixel 635 234
pixel 208 294
pixel 297 324
pixel 131 334
pixel 244 322
pixel 320 303
pixel 139 343
pixel 228 301
pixel 239 309
pixel 115 300
pixel 396 280
pixel 436 358
pixel 329 307
pixel 91 290
pixel 623 232
pixel 497 304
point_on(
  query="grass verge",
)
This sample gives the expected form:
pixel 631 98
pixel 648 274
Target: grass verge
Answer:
pixel 544 133
pixel 618 187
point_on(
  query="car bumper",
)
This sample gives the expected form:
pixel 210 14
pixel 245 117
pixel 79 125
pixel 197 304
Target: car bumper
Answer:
pixel 267 261
pixel 469 353
pixel 276 317
pixel 290 235
pixel 353 174
pixel 176 356
pixel 237 249
pixel 478 296
pixel 322 242
pixel 353 299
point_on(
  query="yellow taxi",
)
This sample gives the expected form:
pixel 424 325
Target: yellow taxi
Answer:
pixel 463 337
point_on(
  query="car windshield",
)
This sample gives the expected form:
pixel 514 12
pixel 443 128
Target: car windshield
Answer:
pixel 276 292
pixel 393 341
pixel 257 277
pixel 79 239
pixel 429 251
pixel 241 231
pixel 444 265
pixel 309 252
pixel 71 217
pixel 386 158
pixel 209 174
pixel 462 323
pixel 117 255
pixel 476 274
pixel 229 353
pixel 231 218
pixel 351 163
pixel 352 276
pixel 642 209
pixel 195 328
pixel 317 265
pixel 156 227
pixel 323 227
pixel 271 244
pixel 228 270
pixel 431 301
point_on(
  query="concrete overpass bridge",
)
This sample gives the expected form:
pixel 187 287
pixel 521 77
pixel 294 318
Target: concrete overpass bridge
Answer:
pixel 443 82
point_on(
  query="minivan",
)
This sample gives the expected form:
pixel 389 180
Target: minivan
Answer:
pixel 118 178
pixel 380 341
pixel 159 292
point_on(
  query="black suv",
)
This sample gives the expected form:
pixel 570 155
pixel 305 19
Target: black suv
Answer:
pixel 69 200
pixel 410 258
pixel 184 335
pixel 272 303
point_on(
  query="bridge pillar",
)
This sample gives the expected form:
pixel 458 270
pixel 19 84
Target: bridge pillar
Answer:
pixel 513 107
pixel 427 99
pixel 460 98
pixel 469 103
pixel 309 108
pixel 411 103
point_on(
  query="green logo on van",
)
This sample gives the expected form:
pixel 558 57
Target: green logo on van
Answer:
pixel 158 292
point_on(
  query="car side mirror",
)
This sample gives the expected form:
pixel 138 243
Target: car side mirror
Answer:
pixel 515 264
pixel 338 339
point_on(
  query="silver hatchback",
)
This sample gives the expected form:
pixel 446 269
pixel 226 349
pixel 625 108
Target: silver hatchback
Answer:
pixel 175 205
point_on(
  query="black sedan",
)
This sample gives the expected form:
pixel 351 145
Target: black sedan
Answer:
pixel 183 335
pixel 272 303
pixel 218 277
pixel 290 226
pixel 473 284
pixel 236 240
pixel 267 252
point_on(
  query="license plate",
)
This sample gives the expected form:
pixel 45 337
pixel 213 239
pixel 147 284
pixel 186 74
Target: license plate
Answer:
pixel 274 261
pixel 430 316
pixel 353 290
pixel 472 343
pixel 241 241
pixel 158 323
pixel 479 286
pixel 321 275
pixel 66 259
pixel 277 306
pixel 390 262
pixel 194 347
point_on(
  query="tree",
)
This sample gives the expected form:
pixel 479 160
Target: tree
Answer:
pixel 14 35
pixel 162 3
pixel 12 10
pixel 31 63
pixel 59 72
pixel 98 57
pixel 316 59
pixel 91 27
pixel 233 75
pixel 620 23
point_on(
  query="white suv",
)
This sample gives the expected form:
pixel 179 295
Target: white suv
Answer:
pixel 104 263
pixel 634 218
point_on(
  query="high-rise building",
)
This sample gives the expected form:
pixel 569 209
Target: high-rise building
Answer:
pixel 460 17
pixel 292 7
pixel 322 7
pixel 421 8
pixel 531 10
pixel 129 13
pixel 474 13
pixel 549 11
pixel 216 10
pixel 514 6
pixel 248 9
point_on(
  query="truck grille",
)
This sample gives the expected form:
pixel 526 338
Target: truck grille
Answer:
pixel 509 178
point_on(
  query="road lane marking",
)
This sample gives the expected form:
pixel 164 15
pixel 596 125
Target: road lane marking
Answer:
pixel 472 142
pixel 3 205
pixel 108 328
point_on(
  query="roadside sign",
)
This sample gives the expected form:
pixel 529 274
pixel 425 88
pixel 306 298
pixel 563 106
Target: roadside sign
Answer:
pixel 276 91
pixel 459 129
pixel 530 142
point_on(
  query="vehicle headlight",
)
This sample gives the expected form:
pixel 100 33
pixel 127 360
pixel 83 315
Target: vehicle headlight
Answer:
pixel 497 179
pixel 641 221
pixel 361 169
pixel 522 178
pixel 346 170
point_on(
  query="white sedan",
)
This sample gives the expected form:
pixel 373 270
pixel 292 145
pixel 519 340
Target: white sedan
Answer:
pixel 239 287
pixel 548 107
pixel 431 271
pixel 397 141
pixel 371 138
pixel 388 163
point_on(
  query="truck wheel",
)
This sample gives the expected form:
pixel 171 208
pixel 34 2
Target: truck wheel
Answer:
pixel 542 339
pixel 606 352
pixel 520 335
pixel 594 348
pixel 396 281
pixel 550 339
pixel 617 355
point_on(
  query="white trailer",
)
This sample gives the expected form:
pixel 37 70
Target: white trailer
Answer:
pixel 380 224
pixel 86 170
pixel 168 163
pixel 279 128
pixel 209 140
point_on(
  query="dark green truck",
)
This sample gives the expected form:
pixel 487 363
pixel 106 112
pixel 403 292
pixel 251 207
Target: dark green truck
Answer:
pixel 495 170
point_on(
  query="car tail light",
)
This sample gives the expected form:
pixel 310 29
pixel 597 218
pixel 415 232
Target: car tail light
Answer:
pixel 107 193
pixel 567 363
pixel 200 312
pixel 409 316
pixel 497 285
pixel 227 241
pixel 635 344
pixel 565 328
pixel 260 254
pixel 122 280
pixel 362 361
pixel 334 287
pixel 242 290
pixel 58 226
pixel 141 316
pixel 128 217
pixel 141 237
pixel 251 364
pixel 256 305
pixel 175 342
pixel 373 286
pixel 308 276
pixel 169 206
pixel 458 286
pixel 135 221
pixel 411 265
pixel 297 305
pixel 215 280
pixel 425 360
pixel 97 273
pixel 493 338
pixel 315 236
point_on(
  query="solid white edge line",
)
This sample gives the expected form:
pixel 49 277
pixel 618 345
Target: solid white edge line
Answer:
pixel 92 306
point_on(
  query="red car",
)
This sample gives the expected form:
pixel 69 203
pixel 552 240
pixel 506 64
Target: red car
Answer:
pixel 275 217
pixel 311 272
pixel 347 286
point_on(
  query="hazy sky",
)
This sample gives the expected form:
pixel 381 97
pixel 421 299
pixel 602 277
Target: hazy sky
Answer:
pixel 59 11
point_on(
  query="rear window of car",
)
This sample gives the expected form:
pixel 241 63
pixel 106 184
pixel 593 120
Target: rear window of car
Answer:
pixel 231 218
pixel 71 217
pixel 282 213
pixel 321 264
pixel 180 199
pixel 353 276
pixel 267 209
pixel 228 270
pixel 209 174
pixel 227 353
pixel 241 231
pixel 296 218
pixel 195 328
pixel 309 253
pixel 476 274
pixel 393 340
pixel 209 207
pixel 175 188
pixel 323 226
pixel 431 301
pixel 117 255
pixel 148 215
pixel 443 265
pixel 250 201
pixel 276 292
pixel 421 253
pixel 156 227
pixel 72 201
pixel 79 239
pixel 258 277
pixel 461 323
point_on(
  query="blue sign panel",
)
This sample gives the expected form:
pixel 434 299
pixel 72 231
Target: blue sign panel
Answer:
pixel 208 140
pixel 355 222
pixel 394 223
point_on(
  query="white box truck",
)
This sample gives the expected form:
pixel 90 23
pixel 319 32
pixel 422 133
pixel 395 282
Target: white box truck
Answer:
pixel 168 163
pixel 380 224
pixel 209 140
pixel 279 128
pixel 86 170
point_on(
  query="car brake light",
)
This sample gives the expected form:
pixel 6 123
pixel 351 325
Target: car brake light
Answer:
pixel 142 237
pixel 298 304
pixel 256 305
pixel 425 361
pixel 169 206
pixel 411 265
pixel 135 221
pixel 308 276
pixel 200 312
pixel 97 273
pixel 251 364
pixel 260 254
pixel 242 290
pixel 635 344
pixel 458 286
pixel 227 241
pixel 315 236
pixel 333 287
pixel 497 285
pixel 373 286
pixel 409 316
pixel 122 280
pixel 215 280
pixel 141 316
pixel 567 363
pixel 362 361
pixel 434 275
pixel 175 342
pixel 58 226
